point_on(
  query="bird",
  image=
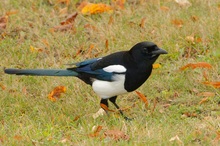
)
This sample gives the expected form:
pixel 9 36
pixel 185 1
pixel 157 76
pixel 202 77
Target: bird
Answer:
pixel 109 76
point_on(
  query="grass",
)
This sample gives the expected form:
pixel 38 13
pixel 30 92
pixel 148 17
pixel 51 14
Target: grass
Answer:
pixel 28 117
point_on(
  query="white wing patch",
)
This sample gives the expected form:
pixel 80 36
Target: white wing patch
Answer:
pixel 115 68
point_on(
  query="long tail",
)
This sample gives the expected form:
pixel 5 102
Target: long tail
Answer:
pixel 41 72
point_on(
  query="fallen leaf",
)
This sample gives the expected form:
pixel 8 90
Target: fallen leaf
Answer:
pixel 157 65
pixel 56 93
pixel 34 49
pixel 63 11
pixel 67 2
pixel 99 113
pixel 116 135
pixel 207 94
pixel 18 137
pixel 188 114
pixel 143 98
pixel 164 8
pixel 96 132
pixel 106 45
pixel 194 18
pixel 70 19
pixel 214 84
pixel 142 24
pixel 177 22
pixel 196 65
pixel 91 8
pixel 12 12
pixel 119 3
pixel 176 138
pixel 183 3
pixel 190 39
pixel 2 86
pixel 89 26
pixel 63 28
pixel 204 100
pixel 3 22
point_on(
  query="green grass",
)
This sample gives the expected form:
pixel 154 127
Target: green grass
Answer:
pixel 28 117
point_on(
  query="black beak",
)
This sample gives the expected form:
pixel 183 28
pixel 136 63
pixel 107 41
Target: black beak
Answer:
pixel 159 51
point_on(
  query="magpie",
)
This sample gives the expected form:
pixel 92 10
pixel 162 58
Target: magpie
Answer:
pixel 109 76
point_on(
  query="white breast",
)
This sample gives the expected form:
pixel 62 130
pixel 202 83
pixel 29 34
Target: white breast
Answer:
pixel 107 89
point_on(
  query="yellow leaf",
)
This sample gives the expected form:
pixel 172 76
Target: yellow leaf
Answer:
pixel 157 65
pixel 91 8
pixel 33 49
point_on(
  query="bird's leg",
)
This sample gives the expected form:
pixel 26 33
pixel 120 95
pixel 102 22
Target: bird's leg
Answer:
pixel 113 100
pixel 104 105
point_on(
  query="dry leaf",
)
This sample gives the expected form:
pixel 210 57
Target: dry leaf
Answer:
pixel 176 138
pixel 119 3
pixel 106 45
pixel 2 86
pixel 157 65
pixel 187 114
pixel 91 8
pixel 64 27
pixel 142 24
pixel 183 3
pixel 99 113
pixel 18 137
pixel 3 22
pixel 67 2
pixel 143 98
pixel 70 19
pixel 207 94
pixel 33 49
pixel 196 65
pixel 190 39
pixel 204 100
pixel 56 93
pixel 89 26
pixel 164 8
pixel 177 22
pixel 12 12
pixel 214 84
pixel 96 132
pixel 116 135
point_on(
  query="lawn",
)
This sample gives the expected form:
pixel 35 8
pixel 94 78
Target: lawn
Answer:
pixel 183 105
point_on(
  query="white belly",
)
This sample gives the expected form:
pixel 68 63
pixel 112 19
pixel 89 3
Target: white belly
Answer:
pixel 107 89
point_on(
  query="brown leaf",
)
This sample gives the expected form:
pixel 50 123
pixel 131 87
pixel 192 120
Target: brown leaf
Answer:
pixel 96 132
pixel 194 18
pixel 56 93
pixel 214 84
pixel 106 45
pixel 188 114
pixel 119 3
pixel 142 24
pixel 143 98
pixel 2 86
pixel 177 22
pixel 204 100
pixel 64 27
pixel 12 12
pixel 164 8
pixel 67 2
pixel 207 94
pixel 18 137
pixel 70 19
pixel 116 135
pixel 196 65
pixel 3 22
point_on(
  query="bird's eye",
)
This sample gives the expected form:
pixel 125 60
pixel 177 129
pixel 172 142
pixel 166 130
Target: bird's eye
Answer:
pixel 145 50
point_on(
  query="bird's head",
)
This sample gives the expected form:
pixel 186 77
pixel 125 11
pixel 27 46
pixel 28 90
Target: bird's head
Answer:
pixel 146 51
